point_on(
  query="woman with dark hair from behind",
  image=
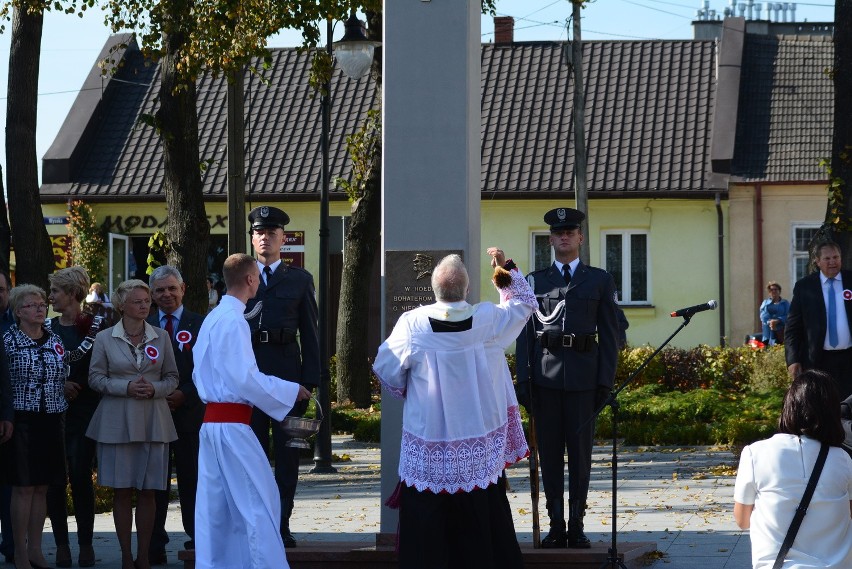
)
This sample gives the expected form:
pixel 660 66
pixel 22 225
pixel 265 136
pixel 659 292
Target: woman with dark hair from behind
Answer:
pixel 774 473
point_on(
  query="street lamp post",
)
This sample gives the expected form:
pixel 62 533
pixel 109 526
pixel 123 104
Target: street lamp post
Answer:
pixel 355 55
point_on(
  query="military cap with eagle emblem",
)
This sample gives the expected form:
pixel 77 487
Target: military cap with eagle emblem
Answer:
pixel 267 217
pixel 564 218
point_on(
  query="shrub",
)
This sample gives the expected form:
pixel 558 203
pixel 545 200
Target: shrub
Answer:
pixel 770 369
pixel 703 395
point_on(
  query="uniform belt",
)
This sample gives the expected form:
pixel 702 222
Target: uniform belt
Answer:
pixel 274 336
pixel 577 342
pixel 228 413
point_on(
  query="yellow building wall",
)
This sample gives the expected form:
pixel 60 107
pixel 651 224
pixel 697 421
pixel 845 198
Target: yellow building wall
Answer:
pixel 683 256
pixel 683 252
pixel 137 219
pixel 781 207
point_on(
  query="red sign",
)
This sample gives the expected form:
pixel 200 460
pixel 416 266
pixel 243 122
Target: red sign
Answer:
pixel 293 248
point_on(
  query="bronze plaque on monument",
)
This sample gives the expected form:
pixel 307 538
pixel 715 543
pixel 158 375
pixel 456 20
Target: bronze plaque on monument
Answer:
pixel 408 281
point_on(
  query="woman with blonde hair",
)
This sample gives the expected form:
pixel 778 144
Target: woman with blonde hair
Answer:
pixel 35 457
pixel 77 329
pixel 133 367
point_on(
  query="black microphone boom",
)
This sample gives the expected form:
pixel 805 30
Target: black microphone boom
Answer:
pixel 709 305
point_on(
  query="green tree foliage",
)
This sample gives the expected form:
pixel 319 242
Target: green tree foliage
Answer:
pixel 221 36
pixel 88 248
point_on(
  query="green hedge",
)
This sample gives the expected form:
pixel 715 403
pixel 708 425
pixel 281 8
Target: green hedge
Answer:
pixel 703 395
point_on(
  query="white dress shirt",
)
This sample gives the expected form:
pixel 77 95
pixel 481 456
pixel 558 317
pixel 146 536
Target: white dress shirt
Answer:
pixel 572 266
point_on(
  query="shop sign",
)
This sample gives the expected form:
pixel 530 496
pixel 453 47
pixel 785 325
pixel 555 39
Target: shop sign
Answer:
pixel 125 224
pixel 293 248
pixel 61 251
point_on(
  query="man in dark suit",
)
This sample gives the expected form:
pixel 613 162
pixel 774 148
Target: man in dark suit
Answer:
pixel 285 342
pixel 566 360
pixel 817 334
pixel 167 290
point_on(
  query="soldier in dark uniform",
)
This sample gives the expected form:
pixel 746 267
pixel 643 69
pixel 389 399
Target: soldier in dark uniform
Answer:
pixel 285 341
pixel 167 291
pixel 566 360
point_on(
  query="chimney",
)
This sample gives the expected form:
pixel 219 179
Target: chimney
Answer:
pixel 504 29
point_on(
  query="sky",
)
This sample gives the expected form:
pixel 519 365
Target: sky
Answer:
pixel 70 44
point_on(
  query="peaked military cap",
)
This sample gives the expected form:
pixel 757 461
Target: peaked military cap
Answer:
pixel 267 217
pixel 564 218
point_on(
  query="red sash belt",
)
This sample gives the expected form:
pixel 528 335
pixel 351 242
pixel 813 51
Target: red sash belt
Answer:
pixel 228 413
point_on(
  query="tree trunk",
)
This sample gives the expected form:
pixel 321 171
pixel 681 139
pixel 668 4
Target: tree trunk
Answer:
pixel 841 147
pixel 362 242
pixel 188 229
pixel 5 232
pixel 33 251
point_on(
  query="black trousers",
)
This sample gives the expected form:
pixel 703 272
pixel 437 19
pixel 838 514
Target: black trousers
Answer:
pixel 838 363
pixel 467 530
pixel 183 454
pixel 80 456
pixel 559 415
pixel 7 545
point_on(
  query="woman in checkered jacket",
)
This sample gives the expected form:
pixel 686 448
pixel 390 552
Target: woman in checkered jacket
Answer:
pixel 35 456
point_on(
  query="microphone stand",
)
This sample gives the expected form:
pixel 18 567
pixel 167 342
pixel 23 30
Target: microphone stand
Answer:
pixel 612 559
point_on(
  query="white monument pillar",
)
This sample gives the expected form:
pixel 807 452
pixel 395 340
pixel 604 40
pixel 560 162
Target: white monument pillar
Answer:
pixel 430 166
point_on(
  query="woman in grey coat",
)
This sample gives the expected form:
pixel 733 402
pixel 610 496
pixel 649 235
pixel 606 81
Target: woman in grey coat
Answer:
pixel 133 367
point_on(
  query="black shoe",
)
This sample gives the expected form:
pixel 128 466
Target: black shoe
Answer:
pixel 189 544
pixel 554 540
pixel 87 556
pixel 289 540
pixel 576 538
pixel 158 558
pixel 63 555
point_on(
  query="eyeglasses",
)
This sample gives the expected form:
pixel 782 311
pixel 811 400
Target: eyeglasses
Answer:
pixel 143 302
pixel 39 306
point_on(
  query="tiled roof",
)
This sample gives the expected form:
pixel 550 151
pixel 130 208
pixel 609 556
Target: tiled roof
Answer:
pixel 786 109
pixel 282 133
pixel 648 114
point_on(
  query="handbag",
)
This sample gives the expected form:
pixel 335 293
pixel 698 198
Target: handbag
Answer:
pixel 803 507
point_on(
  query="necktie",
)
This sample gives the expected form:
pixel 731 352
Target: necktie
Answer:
pixel 267 274
pixel 832 315
pixel 566 274
pixel 170 327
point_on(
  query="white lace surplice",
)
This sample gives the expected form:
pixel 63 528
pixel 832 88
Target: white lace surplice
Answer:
pixel 461 424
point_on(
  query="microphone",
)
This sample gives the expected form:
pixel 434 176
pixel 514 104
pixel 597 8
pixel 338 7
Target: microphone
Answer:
pixel 709 305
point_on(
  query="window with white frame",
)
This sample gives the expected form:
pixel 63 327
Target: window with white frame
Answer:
pixel 801 236
pixel 625 257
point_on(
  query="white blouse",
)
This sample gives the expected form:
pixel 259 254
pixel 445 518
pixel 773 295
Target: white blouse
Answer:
pixel 772 476
pixel 461 424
